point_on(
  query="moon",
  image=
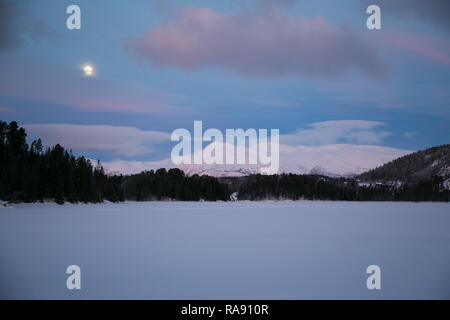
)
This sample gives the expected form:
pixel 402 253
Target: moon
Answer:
pixel 88 70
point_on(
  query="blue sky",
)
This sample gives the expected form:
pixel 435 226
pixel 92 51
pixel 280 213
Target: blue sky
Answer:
pixel 288 64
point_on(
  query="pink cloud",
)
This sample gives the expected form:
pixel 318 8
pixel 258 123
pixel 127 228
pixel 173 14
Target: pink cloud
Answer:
pixel 429 47
pixel 269 43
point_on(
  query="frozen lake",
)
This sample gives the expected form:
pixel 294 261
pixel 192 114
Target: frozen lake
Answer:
pixel 244 250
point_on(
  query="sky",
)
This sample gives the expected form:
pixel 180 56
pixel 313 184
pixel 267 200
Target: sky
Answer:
pixel 312 69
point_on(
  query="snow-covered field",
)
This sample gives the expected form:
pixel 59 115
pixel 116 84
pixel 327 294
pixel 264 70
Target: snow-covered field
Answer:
pixel 264 250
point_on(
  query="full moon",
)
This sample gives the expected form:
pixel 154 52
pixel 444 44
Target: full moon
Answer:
pixel 88 70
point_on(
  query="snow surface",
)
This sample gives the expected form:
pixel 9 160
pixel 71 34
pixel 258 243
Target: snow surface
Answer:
pixel 264 250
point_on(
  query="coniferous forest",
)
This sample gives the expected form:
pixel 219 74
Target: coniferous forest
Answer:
pixel 32 173
pixel 310 187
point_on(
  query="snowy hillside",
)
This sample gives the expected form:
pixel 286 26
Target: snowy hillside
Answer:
pixel 419 165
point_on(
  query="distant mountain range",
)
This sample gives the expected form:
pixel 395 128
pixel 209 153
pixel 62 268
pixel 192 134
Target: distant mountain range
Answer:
pixel 338 160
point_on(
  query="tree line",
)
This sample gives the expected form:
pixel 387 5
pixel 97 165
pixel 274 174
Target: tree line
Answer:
pixel 32 173
pixel 312 187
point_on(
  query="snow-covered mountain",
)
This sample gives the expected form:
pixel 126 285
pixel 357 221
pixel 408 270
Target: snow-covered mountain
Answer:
pixel 331 160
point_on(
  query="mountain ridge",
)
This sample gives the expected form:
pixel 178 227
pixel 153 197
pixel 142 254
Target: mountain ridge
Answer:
pixel 416 166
